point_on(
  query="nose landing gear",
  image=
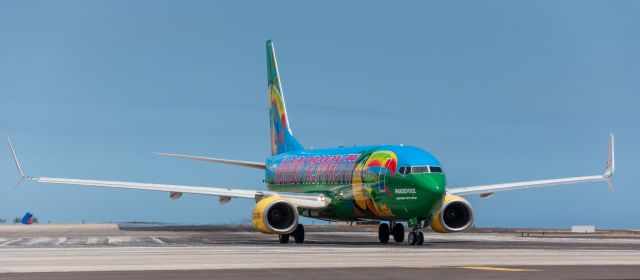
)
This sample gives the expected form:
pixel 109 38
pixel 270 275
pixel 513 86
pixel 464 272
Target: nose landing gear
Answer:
pixel 416 238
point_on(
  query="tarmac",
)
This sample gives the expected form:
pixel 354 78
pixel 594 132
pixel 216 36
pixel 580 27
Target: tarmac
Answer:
pixel 224 252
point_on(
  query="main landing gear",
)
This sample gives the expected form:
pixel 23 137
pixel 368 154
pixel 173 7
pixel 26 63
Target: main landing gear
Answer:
pixel 385 231
pixel 298 235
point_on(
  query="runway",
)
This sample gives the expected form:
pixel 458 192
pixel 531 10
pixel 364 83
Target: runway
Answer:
pixel 107 252
pixel 355 273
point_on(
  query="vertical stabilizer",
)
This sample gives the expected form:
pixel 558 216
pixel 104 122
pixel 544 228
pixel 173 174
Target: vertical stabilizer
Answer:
pixel 282 139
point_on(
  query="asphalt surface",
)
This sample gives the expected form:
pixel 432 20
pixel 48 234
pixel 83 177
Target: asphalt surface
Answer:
pixel 111 235
pixel 356 273
pixel 108 252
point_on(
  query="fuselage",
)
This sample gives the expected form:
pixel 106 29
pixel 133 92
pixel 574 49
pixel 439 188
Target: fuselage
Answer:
pixel 383 182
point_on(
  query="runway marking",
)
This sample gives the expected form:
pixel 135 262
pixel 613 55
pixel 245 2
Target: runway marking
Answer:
pixel 37 241
pixel 491 268
pixel 94 240
pixel 61 240
pixel 66 258
pixel 118 240
pixel 157 240
pixel 11 242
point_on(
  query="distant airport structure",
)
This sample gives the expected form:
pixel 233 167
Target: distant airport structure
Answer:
pixel 583 229
pixel 394 184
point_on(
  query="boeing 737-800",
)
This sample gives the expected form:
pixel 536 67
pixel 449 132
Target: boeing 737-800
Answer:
pixel 393 184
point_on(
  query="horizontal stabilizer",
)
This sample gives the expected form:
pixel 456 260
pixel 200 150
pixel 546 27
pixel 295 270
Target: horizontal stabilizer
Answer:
pixel 251 164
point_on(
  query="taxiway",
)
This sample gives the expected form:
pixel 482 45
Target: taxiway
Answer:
pixel 110 252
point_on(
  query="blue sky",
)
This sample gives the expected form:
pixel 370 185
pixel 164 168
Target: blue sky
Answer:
pixel 499 91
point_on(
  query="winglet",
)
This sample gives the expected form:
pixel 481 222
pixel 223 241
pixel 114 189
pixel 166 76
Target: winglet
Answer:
pixel 15 160
pixel 610 162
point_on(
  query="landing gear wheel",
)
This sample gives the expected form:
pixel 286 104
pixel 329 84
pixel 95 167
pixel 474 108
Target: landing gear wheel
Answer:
pixel 284 238
pixel 398 233
pixel 412 238
pixel 420 240
pixel 383 233
pixel 298 234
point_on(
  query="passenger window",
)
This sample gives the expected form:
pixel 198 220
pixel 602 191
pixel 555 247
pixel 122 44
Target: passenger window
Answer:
pixel 436 169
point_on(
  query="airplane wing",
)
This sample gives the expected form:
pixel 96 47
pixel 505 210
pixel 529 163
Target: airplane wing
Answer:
pixel 301 200
pixel 486 191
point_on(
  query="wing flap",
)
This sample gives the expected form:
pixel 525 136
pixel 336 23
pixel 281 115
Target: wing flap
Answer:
pixel 302 200
pixel 240 193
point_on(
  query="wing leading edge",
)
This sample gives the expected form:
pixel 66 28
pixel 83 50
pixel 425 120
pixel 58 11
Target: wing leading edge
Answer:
pixel 306 201
pixel 488 190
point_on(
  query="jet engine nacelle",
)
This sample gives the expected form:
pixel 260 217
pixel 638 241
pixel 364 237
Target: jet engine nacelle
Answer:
pixel 456 215
pixel 275 215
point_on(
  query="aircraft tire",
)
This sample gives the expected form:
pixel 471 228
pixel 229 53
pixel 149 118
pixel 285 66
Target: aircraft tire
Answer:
pixel 420 240
pixel 398 233
pixel 283 238
pixel 298 234
pixel 383 233
pixel 412 238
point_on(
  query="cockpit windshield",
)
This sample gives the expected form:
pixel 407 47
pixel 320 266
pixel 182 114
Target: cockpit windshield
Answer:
pixel 419 169
pixel 435 169
pixel 406 170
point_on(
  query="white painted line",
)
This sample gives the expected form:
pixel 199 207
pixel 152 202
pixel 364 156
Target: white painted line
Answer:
pixel 118 240
pixel 157 240
pixel 93 240
pixel 11 242
pixel 37 240
pixel 61 240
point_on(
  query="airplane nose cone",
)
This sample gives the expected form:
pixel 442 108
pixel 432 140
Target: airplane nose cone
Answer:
pixel 437 189
pixel 432 189
pixel 433 184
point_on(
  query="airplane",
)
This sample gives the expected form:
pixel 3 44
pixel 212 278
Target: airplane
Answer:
pixel 392 184
pixel 27 219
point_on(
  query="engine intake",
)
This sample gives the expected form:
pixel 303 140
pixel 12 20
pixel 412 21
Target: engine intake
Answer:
pixel 456 215
pixel 275 215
